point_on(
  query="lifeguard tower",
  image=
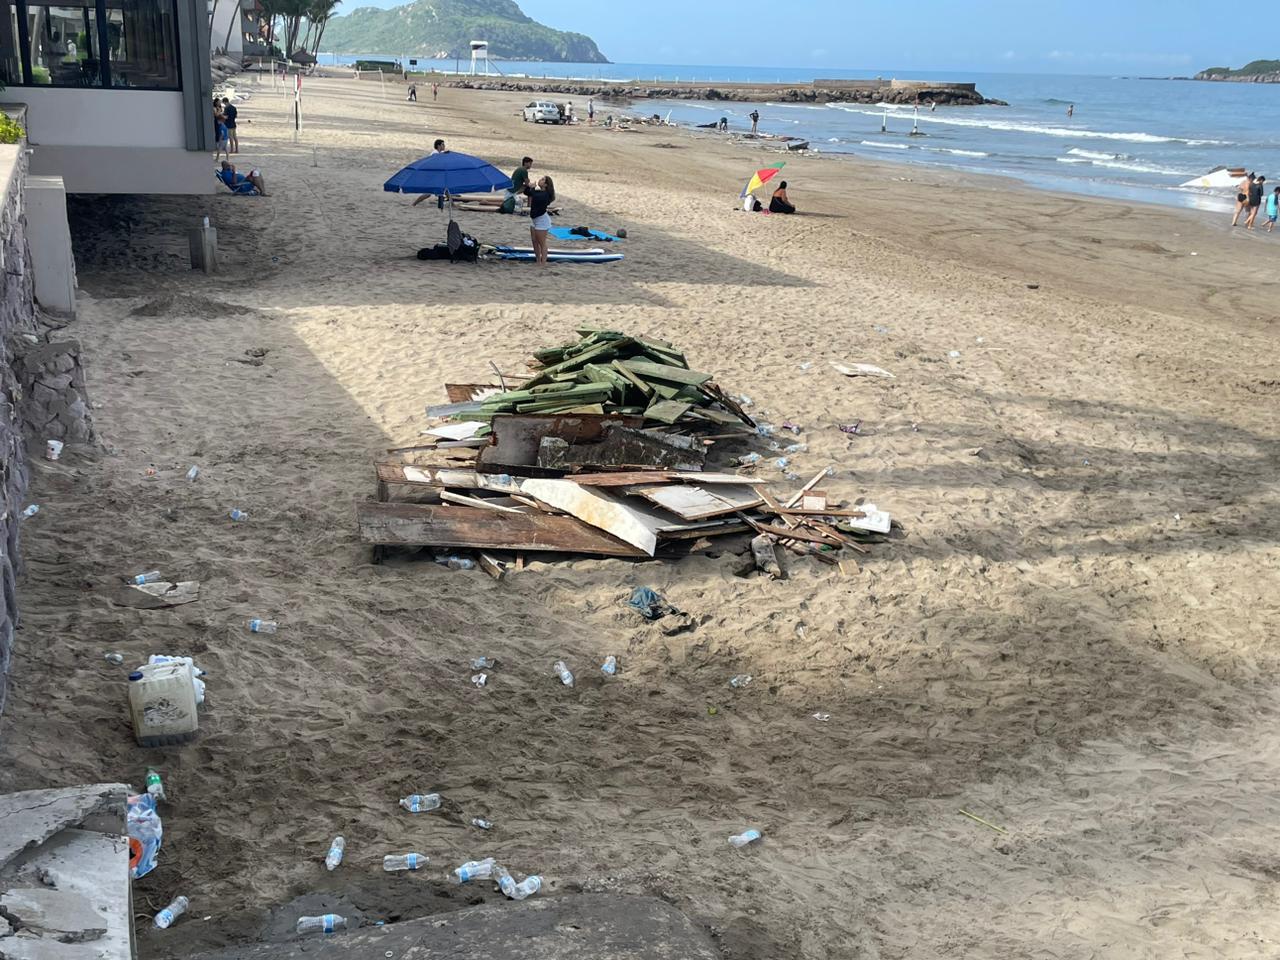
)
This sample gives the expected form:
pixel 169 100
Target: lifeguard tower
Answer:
pixel 479 51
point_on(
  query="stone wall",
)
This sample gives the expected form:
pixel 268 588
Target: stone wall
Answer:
pixel 17 319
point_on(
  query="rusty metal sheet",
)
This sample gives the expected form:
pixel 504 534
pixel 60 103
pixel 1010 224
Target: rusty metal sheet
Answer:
pixel 514 443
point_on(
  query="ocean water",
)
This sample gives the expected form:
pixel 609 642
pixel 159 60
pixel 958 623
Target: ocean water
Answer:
pixel 1129 138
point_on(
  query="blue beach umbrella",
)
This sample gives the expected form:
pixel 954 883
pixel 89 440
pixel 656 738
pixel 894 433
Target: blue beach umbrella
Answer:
pixel 447 175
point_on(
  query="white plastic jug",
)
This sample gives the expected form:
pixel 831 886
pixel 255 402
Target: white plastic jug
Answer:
pixel 162 703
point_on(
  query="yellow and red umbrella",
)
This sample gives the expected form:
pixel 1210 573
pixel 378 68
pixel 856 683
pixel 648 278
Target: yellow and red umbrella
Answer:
pixel 760 178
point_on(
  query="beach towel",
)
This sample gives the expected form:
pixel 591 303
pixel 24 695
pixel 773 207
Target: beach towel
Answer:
pixel 582 233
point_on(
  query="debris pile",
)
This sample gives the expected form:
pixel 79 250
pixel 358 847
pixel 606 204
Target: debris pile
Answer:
pixel 601 450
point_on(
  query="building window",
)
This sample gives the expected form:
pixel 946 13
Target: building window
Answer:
pixel 90 43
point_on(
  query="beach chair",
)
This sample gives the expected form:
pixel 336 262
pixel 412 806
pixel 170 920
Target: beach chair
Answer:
pixel 241 185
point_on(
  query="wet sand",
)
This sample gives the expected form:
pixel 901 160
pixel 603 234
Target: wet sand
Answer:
pixel 1074 641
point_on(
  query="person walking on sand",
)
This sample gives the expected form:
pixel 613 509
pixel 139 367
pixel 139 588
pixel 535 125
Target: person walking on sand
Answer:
pixel 1273 209
pixel 540 197
pixel 1242 197
pixel 1255 199
pixel 413 93
pixel 755 121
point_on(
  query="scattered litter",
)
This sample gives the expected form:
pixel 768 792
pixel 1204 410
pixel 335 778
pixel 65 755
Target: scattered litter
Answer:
pixel 516 891
pixel 821 717
pixel 151 576
pixel 741 680
pixel 879 328
pixel 873 520
pixel 237 514
pixel 144 826
pixel 796 448
pixel 985 823
pixel 563 673
pixel 765 555
pixel 650 603
pixel 455 562
pixel 156 594
pixel 479 679
pixel 151 473
pixel 482 823
pixel 116 658
pixel 475 870
pixel 32 510
pixel 782 463
pixel 749 459
pixel 52 449
pixel 610 666
pixel 1177 516
pixel 155 786
pixel 793 427
pixel 745 401
pixel 764 429
pixel 325 924
pixel 483 663
pixel 164 695
pixel 263 626
pixel 421 802
pixel 193 472
pixel 166 917
pixel 806 365
pixel 395 862
pixel 853 429
pixel 744 838
pixel 336 851
pixel 862 370
pixel 954 354
pixel 1033 286
pixel 980 340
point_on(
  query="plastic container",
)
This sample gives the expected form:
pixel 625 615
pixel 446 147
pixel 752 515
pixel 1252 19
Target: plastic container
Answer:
pixel 162 703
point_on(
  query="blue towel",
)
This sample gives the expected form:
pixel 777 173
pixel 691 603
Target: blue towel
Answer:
pixel 566 233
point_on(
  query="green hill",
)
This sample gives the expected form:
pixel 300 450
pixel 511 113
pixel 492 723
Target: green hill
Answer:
pixel 445 28
pixel 1268 70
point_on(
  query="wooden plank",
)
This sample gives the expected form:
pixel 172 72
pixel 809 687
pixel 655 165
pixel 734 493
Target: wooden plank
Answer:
pixel 691 502
pixel 660 371
pixel 667 411
pixel 828 512
pixel 477 502
pixel 621 448
pixel 409 524
pixel 627 478
pixel 463 392
pixel 694 531
pixel 492 565
pixel 631 524
pixel 632 378
pixel 783 533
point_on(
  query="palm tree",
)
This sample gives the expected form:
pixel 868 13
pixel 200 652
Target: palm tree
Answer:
pixel 320 13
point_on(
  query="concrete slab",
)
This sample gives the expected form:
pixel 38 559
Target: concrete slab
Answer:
pixel 575 927
pixel 49 237
pixel 29 818
pixel 64 915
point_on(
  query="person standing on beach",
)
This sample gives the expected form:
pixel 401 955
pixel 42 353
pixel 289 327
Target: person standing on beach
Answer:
pixel 221 144
pixel 413 93
pixel 591 111
pixel 229 112
pixel 540 199
pixel 1071 111
pixel 1255 200
pixel 755 121
pixel 1273 209
pixel 435 92
pixel 1242 198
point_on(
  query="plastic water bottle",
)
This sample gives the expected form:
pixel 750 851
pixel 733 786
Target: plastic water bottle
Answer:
pixel 154 785
pixel 263 626
pixel 610 666
pixel 742 839
pixel 116 658
pixel 455 562
pixel 796 448
pixel 165 918
pixel 482 823
pixel 151 576
pixel 741 680
pixel 748 459
pixel 421 802
pixel 334 856
pixel 237 514
pixel 483 663
pixel 475 870
pixel 479 679
pixel 516 891
pixel 395 862
pixel 32 510
pixel 563 673
pixel 326 924
pixel 193 472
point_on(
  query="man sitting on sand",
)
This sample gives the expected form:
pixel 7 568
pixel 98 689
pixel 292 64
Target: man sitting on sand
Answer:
pixel 239 183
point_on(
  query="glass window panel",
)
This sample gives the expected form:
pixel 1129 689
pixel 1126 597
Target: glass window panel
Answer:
pixel 10 58
pixel 141 35
pixel 64 45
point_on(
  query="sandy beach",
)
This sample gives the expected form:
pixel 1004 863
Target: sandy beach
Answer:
pixel 1074 641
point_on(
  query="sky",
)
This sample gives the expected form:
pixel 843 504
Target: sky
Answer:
pixel 1147 37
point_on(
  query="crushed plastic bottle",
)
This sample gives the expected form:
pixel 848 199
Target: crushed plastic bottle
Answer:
pixel 151 576
pixel 237 514
pixel 482 823
pixel 742 839
pixel 479 679
pixel 610 666
pixel 749 459
pixel 263 626
pixel 337 849
pixel 475 870
pixel 193 472
pixel 325 924
pixel 741 680
pixel 155 786
pixel 563 672
pixel 166 917
pixel 796 448
pixel 421 802
pixel 455 562
pixel 32 510
pixel 395 862
pixel 782 463
pixel 516 891
pixel 116 658
pixel 483 663
pixel 745 401
pixel 764 429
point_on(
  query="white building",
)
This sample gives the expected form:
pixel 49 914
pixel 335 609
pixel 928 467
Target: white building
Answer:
pixel 118 92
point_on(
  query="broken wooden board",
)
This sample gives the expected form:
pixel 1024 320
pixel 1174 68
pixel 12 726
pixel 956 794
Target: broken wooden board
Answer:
pixel 667 411
pixel 626 478
pixel 624 449
pixel 632 523
pixel 660 371
pixel 691 502
pixel 419 525
pixel 464 392
pixel 157 594
pixel 862 370
pixel 515 438
pixel 460 430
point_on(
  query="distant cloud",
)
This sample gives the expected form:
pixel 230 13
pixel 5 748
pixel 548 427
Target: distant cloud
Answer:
pixel 1010 55
pixel 1157 59
pixel 818 54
